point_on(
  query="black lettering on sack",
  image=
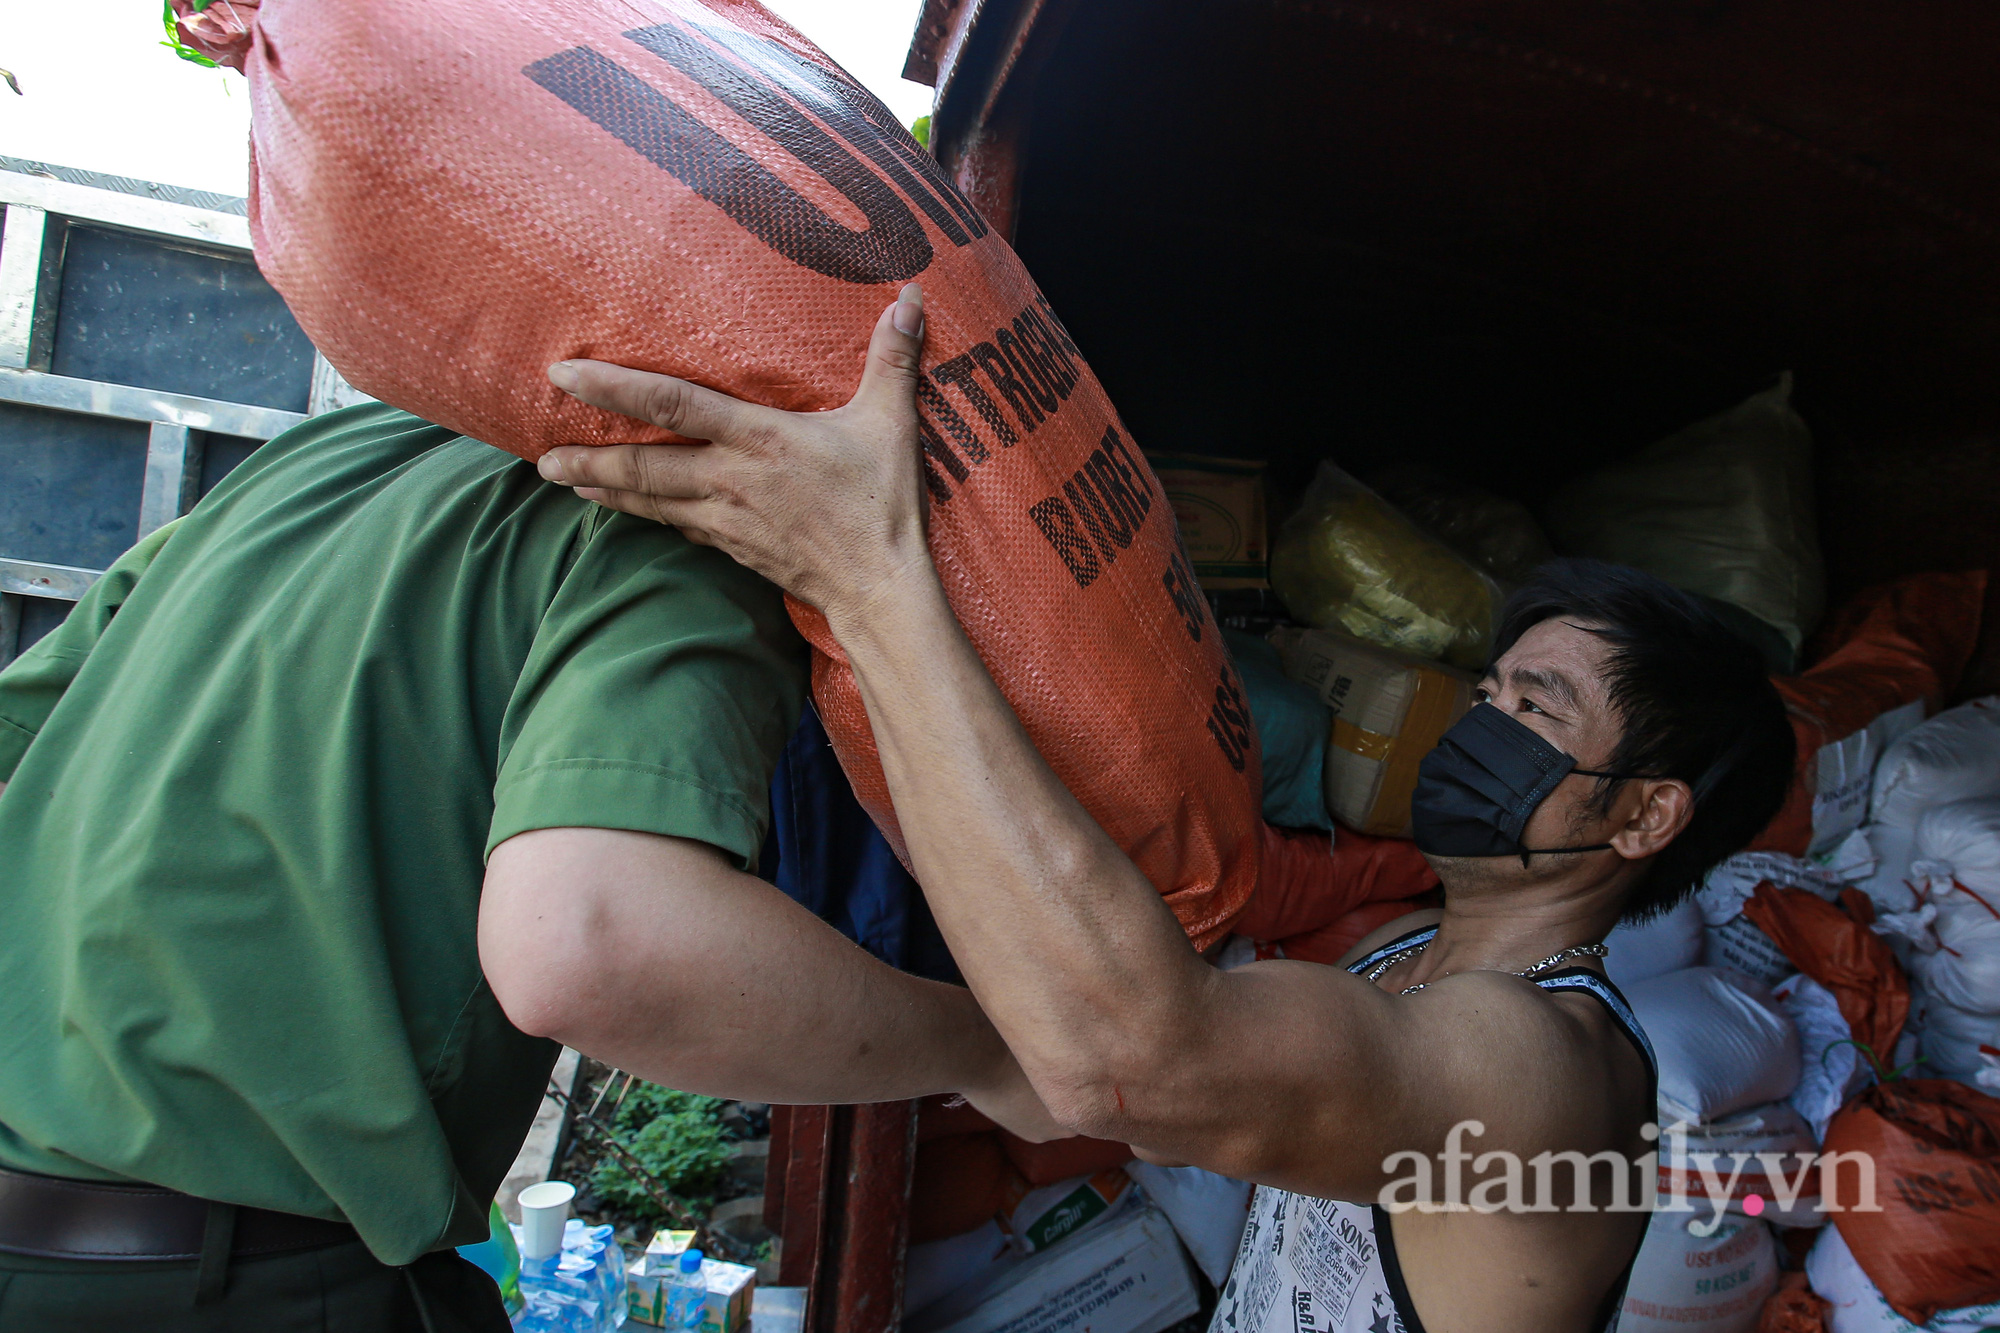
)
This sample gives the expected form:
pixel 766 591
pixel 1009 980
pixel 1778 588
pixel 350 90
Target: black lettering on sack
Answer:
pixel 757 102
pixel 1137 475
pixel 934 448
pixel 1184 592
pixel 988 358
pixel 1059 525
pixel 1050 357
pixel 1027 369
pixel 1104 471
pixel 957 372
pixel 1229 721
pixel 893 246
pixel 931 403
pixel 1112 533
pixel 860 117
pixel 1105 501
pixel 1055 361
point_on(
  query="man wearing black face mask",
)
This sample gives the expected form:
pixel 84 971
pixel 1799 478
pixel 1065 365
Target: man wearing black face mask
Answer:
pixel 1625 741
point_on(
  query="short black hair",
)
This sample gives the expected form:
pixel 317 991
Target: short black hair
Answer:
pixel 1695 702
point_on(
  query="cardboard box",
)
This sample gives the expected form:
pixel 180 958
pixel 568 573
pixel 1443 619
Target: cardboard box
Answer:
pixel 1219 504
pixel 1389 709
pixel 1127 1275
pixel 731 1289
pixel 664 1250
pixel 1035 1218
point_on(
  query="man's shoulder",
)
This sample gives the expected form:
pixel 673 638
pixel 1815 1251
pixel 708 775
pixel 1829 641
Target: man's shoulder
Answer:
pixel 1551 1060
pixel 369 437
pixel 377 477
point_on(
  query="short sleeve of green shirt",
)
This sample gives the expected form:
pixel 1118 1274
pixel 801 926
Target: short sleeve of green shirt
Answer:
pixel 671 756
pixel 32 686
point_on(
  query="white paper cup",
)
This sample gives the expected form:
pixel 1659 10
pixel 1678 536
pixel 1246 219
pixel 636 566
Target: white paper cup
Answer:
pixel 544 1209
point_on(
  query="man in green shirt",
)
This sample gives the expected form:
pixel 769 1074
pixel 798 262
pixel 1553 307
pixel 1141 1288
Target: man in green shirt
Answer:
pixel 385 745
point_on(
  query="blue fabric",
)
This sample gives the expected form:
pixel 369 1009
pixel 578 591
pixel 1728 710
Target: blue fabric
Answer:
pixel 825 853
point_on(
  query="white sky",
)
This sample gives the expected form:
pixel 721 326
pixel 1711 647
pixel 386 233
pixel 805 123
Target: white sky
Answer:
pixel 102 94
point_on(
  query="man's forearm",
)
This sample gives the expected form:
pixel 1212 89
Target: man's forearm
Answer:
pixel 694 975
pixel 1084 969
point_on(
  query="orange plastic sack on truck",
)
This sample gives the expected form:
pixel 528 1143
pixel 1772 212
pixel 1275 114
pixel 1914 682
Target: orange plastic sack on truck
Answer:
pixel 957 1183
pixel 1311 880
pixel 1062 1159
pixel 1833 945
pixel 1793 1308
pixel 451 196
pixel 1897 646
pixel 1934 1243
pixel 1330 943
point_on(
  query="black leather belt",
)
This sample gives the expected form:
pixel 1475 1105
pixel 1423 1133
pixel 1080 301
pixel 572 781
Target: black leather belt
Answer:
pixel 53 1218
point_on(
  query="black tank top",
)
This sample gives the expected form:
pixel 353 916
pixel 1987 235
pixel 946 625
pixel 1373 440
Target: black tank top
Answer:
pixel 1311 1265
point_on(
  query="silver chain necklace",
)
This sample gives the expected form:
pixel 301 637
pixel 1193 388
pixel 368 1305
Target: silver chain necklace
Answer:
pixel 1376 972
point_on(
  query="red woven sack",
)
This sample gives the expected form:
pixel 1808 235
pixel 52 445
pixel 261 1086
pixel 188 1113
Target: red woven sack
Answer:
pixel 453 195
pixel 1934 1244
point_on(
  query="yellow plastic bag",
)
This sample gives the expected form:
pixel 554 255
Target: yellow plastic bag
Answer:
pixel 1347 559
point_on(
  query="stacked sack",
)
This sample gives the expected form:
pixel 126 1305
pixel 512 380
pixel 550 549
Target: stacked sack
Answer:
pixel 1953 757
pixel 1728 1059
pixel 1881 664
pixel 1759 1048
pixel 1955 874
pixel 1856 1305
pixel 1914 1240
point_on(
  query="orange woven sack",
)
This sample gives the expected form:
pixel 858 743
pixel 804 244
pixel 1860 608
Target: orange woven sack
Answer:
pixel 1319 894
pixel 1062 1159
pixel 1793 1308
pixel 1328 944
pixel 1934 1244
pixel 453 195
pixel 1833 945
pixel 1894 644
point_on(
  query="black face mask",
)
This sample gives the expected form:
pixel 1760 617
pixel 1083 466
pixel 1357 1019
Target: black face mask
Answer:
pixel 1476 790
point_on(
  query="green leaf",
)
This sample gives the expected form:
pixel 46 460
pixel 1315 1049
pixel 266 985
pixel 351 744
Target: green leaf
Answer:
pixel 920 130
pixel 677 1137
pixel 174 42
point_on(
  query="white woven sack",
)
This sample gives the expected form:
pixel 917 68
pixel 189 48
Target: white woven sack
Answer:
pixel 1958 1044
pixel 1953 757
pixel 1667 943
pixel 1722 1042
pixel 1829 1071
pixel 1964 972
pixel 1714 1283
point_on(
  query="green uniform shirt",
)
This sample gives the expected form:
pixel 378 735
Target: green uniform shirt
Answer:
pixel 254 777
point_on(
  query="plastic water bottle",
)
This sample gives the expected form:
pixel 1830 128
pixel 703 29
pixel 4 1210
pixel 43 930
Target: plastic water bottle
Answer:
pixel 690 1299
pixel 579 1289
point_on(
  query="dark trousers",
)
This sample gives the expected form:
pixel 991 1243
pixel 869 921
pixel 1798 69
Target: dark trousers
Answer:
pixel 336 1289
